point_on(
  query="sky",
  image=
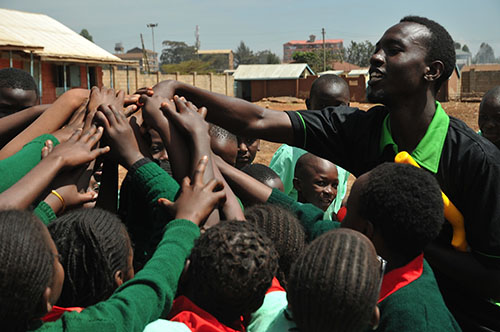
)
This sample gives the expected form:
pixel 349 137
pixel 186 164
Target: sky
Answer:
pixel 263 24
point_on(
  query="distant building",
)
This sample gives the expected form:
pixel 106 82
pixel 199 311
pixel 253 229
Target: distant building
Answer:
pixel 344 66
pixel 478 79
pixel 223 59
pixel 57 57
pixel 308 46
pixel 463 58
pixel 136 54
pixel 254 82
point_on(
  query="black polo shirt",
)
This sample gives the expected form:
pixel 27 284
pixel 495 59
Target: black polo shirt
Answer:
pixel 467 166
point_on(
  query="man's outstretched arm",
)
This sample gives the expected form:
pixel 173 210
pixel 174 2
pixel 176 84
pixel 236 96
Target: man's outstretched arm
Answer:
pixel 236 115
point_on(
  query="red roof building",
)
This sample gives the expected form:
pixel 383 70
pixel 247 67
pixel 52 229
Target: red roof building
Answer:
pixel 309 46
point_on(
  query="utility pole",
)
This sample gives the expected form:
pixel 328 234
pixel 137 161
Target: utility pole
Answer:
pixel 153 26
pixel 324 49
pixel 145 61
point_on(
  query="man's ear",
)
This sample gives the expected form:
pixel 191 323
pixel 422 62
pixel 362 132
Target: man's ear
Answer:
pixel 297 185
pixel 434 71
pixel 308 103
pixel 119 275
pixel 375 320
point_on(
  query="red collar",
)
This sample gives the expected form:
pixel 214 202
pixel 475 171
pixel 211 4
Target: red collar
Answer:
pixel 400 277
pixel 57 312
pixel 275 286
pixel 197 319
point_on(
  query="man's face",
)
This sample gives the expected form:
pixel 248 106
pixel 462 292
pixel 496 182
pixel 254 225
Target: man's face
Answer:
pixel 247 149
pixel 318 184
pixel 398 65
pixel 489 121
pixel 14 100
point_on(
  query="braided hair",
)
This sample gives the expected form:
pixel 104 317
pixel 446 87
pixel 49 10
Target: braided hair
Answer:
pixel 284 230
pixel 94 245
pixel 231 267
pixel 334 284
pixel 27 268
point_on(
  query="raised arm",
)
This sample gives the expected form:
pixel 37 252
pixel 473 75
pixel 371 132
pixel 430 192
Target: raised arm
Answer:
pixel 13 124
pixel 237 115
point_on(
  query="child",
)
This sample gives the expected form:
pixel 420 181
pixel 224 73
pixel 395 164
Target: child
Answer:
pixel 223 144
pixel 327 90
pixel 316 181
pixel 231 267
pixel 18 91
pixel 247 150
pixel 265 175
pixel 489 116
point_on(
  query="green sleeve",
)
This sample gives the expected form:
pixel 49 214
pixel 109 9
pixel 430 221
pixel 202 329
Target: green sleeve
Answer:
pixel 15 167
pixel 139 208
pixel 310 216
pixel 283 163
pixel 45 213
pixel 142 299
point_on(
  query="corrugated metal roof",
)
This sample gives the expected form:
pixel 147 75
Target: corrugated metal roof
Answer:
pixel 214 51
pixel 358 72
pixel 334 72
pixel 316 42
pixel 272 72
pixel 51 39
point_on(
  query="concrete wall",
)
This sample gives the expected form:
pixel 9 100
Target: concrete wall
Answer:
pixel 222 84
pixel 475 83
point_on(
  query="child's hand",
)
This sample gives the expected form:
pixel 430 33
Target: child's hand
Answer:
pixel 119 134
pixel 76 122
pixel 152 113
pixel 78 149
pixel 187 117
pixel 197 199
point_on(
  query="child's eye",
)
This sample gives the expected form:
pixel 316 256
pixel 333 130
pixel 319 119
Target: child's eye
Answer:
pixel 321 183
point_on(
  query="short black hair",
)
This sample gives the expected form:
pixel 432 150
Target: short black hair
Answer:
pixel 440 46
pixel 220 133
pixel 284 230
pixel 327 79
pixel 492 96
pixel 334 283
pixel 405 203
pixel 231 267
pixel 14 78
pixel 27 268
pixel 260 172
pixel 93 244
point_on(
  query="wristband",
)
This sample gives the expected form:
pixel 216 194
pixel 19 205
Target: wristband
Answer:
pixel 55 193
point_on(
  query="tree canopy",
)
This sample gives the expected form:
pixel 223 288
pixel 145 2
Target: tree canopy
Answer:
pixel 359 53
pixel 485 54
pixel 84 33
pixel 176 52
pixel 243 55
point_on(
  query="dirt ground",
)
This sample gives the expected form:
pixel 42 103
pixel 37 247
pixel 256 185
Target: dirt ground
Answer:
pixel 466 112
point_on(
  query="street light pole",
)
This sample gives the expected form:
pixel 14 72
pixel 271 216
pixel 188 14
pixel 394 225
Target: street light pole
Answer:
pixel 153 26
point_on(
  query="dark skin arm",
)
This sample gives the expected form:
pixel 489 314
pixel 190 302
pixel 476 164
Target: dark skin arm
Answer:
pixel 241 117
pixel 466 269
pixel 76 151
pixel 13 124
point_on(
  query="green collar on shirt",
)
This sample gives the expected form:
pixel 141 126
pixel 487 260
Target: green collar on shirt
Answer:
pixel 428 151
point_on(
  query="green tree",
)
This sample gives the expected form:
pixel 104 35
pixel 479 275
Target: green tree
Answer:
pixel 188 67
pixel 84 33
pixel 243 55
pixel 267 57
pixel 465 48
pixel 485 54
pixel 313 59
pixel 360 53
pixel 176 52
pixel 457 45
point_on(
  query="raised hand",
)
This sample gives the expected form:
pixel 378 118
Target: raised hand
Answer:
pixel 198 199
pixel 186 116
pixel 75 122
pixel 119 135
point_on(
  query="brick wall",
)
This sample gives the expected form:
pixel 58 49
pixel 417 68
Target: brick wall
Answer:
pixel 476 83
pixel 213 82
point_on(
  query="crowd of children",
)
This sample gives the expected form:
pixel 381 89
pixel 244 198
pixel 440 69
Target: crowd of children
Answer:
pixel 197 237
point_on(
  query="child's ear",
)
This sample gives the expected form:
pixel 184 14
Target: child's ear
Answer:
pixel 375 320
pixel 119 278
pixel 45 306
pixel 308 103
pixel 297 185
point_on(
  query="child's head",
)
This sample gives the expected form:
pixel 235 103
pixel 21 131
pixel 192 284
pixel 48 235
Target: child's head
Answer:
pixel 18 91
pixel 224 144
pixel 247 150
pixel 328 90
pixel 231 267
pixel 96 253
pixel 316 180
pixel 285 232
pixel 31 277
pixel 399 204
pixel 489 116
pixel 264 174
pixel 334 284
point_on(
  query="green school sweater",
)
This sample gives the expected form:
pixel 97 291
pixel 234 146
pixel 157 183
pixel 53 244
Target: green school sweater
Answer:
pixel 139 209
pixel 310 216
pixel 418 306
pixel 142 299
